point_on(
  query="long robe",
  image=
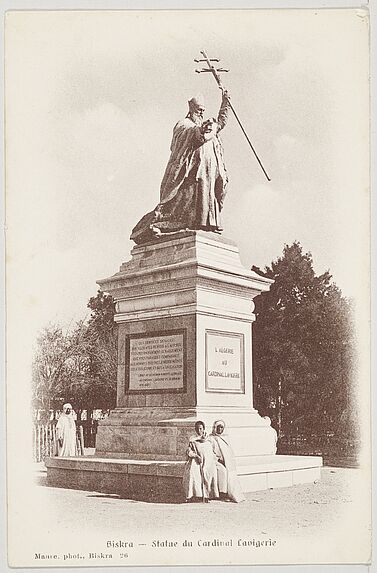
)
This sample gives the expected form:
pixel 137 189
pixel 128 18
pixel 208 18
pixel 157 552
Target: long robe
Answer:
pixel 200 477
pixel 194 185
pixel 66 431
pixel 226 468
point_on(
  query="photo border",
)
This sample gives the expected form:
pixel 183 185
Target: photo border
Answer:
pixel 34 5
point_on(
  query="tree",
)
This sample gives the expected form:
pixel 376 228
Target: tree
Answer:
pixel 59 366
pixel 303 349
pixel 102 335
pixel 79 365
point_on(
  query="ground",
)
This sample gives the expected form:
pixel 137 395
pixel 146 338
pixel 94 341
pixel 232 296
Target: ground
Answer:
pixel 323 522
pixel 308 506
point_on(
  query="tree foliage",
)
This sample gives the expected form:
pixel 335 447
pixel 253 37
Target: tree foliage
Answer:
pixel 102 352
pixel 303 349
pixel 59 365
pixel 78 365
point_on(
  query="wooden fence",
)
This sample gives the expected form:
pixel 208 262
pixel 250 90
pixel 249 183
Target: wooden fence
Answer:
pixel 45 441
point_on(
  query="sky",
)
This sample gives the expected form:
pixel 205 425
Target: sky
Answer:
pixel 91 101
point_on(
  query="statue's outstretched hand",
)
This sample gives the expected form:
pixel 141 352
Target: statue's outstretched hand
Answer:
pixel 226 95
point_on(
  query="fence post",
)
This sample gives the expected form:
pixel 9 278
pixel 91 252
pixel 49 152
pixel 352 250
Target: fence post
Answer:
pixel 81 441
pixel 39 443
pixel 49 434
pixel 54 443
pixel 34 444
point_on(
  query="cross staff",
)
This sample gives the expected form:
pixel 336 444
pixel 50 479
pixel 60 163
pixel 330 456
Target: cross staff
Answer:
pixel 215 73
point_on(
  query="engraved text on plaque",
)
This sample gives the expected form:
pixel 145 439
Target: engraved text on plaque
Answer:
pixel 156 363
pixel 224 362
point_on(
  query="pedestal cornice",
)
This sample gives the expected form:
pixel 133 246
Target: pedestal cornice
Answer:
pixel 183 262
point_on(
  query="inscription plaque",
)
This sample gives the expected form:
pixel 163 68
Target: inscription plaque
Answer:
pixel 156 363
pixel 225 362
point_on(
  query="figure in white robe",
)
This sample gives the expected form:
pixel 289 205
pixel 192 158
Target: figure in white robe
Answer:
pixel 200 475
pixel 66 433
pixel 228 483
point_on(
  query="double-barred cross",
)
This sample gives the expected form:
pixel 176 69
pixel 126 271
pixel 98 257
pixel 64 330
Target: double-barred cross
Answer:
pixel 215 72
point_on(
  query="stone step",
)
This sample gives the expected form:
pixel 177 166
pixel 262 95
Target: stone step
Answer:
pixel 276 463
pixel 161 480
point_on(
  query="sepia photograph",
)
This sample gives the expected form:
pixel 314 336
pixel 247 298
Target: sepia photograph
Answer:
pixel 187 287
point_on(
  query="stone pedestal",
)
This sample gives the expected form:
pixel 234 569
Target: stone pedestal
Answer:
pixel 184 308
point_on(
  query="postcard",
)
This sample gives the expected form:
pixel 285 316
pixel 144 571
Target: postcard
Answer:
pixel 187 241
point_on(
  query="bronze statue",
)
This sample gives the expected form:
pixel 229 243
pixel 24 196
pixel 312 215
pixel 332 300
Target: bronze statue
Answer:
pixel 194 184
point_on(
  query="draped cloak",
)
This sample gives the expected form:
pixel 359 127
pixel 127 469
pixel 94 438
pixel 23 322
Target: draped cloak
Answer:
pixel 194 184
pixel 226 468
pixel 200 476
pixel 66 431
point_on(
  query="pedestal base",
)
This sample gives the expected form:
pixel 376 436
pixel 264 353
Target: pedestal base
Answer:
pixel 164 433
pixel 162 480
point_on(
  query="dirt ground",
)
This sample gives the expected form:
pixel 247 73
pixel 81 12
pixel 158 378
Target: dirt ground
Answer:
pixel 323 522
pixel 309 508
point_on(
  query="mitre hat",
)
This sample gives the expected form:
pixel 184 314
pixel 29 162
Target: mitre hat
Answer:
pixel 195 102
